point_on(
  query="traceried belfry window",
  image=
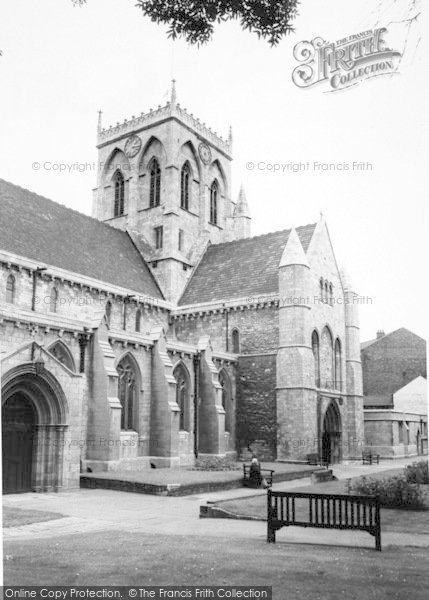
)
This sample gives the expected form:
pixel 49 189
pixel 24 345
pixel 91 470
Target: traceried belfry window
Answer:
pixel 155 184
pixel 185 186
pixel 53 300
pixel 119 187
pixel 127 393
pixel 214 194
pixel 10 289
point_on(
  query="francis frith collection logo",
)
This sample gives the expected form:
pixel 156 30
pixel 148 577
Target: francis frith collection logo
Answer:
pixel 344 63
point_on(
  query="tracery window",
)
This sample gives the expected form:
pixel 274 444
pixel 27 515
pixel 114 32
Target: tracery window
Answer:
pixel 138 319
pixel 236 341
pixel 63 354
pixel 181 376
pixel 127 392
pixel 155 184
pixel 214 194
pixel 119 187
pixel 337 359
pixel 316 354
pixel 226 399
pixel 185 186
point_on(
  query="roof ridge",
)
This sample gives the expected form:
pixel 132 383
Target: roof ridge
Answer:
pixel 74 210
pixel 253 237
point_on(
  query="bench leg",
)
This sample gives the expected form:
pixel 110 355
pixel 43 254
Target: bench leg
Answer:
pixel 271 535
pixel 378 541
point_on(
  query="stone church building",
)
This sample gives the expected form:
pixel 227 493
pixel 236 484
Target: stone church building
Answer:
pixel 159 330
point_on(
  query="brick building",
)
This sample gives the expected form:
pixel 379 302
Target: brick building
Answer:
pixel 159 329
pixel 394 386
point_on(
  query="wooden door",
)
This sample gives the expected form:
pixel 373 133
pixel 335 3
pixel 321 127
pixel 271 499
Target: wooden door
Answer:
pixel 18 431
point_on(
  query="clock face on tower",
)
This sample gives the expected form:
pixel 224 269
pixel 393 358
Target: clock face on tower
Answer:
pixel 132 146
pixel 205 153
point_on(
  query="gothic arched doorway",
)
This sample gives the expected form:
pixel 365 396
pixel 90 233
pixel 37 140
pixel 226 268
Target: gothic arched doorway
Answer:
pixel 34 413
pixel 18 422
pixel 331 434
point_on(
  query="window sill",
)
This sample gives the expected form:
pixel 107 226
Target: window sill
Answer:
pixel 150 207
pixel 187 211
pixel 117 217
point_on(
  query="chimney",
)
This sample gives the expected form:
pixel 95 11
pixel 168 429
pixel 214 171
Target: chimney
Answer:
pixel 380 334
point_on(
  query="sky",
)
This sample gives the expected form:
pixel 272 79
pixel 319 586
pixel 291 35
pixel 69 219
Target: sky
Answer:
pixel 61 64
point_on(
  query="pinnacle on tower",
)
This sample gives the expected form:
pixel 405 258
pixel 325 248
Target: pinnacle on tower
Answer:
pixel 293 254
pixel 99 121
pixel 242 208
pixel 173 97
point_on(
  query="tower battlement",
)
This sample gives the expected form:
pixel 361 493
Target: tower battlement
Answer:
pixel 168 111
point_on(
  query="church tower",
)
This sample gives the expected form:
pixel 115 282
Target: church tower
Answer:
pixel 165 178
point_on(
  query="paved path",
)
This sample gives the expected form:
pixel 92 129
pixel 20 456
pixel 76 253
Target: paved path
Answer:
pixel 103 510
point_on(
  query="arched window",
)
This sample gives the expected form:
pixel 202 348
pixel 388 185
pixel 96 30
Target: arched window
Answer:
pixel 236 341
pixel 127 392
pixel 181 376
pixel 326 359
pixel 331 294
pixel 63 354
pixel 53 300
pixel 108 312
pixel 315 346
pixel 227 404
pixel 119 186
pixel 10 289
pixel 326 292
pixel 214 193
pixel 155 183
pixel 337 359
pixel 185 186
pixel 138 319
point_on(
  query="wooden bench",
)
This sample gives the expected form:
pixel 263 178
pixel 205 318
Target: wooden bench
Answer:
pixel 322 475
pixel 267 474
pixel 368 458
pixel 328 511
pixel 314 459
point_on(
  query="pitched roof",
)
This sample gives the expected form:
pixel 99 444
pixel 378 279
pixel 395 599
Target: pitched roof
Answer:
pixel 244 268
pixel 42 230
pixel 385 336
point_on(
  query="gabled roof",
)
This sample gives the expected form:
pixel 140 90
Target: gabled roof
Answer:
pixel 37 228
pixel 243 268
pixel 385 336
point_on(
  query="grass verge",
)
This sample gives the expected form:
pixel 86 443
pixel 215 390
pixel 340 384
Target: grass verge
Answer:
pixel 295 572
